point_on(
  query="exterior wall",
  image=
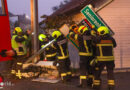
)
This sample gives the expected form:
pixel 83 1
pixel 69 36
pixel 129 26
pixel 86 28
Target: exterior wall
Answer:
pixel 117 16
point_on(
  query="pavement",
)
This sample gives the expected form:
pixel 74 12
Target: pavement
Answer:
pixel 122 80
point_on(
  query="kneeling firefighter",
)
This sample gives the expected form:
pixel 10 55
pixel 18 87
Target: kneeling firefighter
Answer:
pixel 50 52
pixel 62 55
pixel 105 57
pixel 18 44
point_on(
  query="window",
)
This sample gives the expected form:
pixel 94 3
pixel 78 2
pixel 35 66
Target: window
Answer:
pixel 99 4
pixel 2 7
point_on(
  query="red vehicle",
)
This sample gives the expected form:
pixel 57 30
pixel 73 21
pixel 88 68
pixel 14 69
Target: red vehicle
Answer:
pixel 5 36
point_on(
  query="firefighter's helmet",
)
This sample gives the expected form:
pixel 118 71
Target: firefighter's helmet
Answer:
pixel 17 30
pixel 56 34
pixel 82 29
pixel 74 28
pixel 41 37
pixel 103 30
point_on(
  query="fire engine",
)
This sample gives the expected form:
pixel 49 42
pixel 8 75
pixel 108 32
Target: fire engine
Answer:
pixel 5 36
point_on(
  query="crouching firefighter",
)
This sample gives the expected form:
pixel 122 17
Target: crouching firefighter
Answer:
pixel 85 53
pixel 18 44
pixel 50 52
pixel 105 57
pixel 62 56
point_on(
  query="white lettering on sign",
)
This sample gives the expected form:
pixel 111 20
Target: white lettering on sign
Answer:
pixel 92 18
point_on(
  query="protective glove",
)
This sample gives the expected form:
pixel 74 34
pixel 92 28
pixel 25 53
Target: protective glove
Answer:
pixel 3 53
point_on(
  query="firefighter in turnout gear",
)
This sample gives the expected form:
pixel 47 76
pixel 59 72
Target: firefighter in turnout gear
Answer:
pixel 74 28
pixel 85 53
pixel 50 52
pixel 105 57
pixel 62 56
pixel 18 44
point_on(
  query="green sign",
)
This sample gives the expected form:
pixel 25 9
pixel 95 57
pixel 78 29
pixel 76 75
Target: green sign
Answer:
pixel 92 17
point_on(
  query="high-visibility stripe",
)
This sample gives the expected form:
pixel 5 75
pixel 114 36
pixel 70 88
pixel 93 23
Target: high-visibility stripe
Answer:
pixel 61 50
pixel 51 55
pixel 63 57
pixel 83 77
pixel 100 49
pixel 63 74
pixel 13 71
pixel 69 73
pixel 104 45
pixel 70 33
pixel 85 54
pixel 76 36
pixel 19 63
pixel 53 46
pixel 85 45
pixel 111 82
pixel 96 82
pixel 104 58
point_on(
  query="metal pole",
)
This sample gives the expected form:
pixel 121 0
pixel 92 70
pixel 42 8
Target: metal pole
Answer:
pixel 34 25
pixel 40 51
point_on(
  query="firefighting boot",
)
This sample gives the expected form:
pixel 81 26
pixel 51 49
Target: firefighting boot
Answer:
pixel 69 76
pixel 111 84
pixel 83 82
pixel 64 77
pixel 90 80
pixel 96 84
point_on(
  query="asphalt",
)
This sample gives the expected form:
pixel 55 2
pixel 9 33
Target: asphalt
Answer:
pixel 122 81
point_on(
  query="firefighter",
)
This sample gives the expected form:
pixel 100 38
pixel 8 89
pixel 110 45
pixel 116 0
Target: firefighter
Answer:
pixel 50 52
pixel 85 53
pixel 62 56
pixel 74 28
pixel 104 56
pixel 18 44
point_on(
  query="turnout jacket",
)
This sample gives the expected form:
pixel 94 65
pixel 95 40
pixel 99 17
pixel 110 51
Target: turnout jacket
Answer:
pixel 62 47
pixel 85 43
pixel 104 47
